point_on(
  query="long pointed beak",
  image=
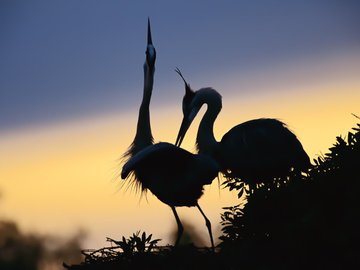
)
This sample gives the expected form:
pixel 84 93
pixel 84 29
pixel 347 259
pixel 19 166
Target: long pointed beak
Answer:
pixel 185 124
pixel 150 49
pixel 149 40
pixel 182 131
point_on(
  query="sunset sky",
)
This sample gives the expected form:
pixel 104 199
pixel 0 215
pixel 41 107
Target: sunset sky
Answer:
pixel 71 82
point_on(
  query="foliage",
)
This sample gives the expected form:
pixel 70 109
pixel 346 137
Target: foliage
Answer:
pixel 136 243
pixel 304 221
pixel 139 252
pixel 132 246
pixel 17 250
pixel 31 251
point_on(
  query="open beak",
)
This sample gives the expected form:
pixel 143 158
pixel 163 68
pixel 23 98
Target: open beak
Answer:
pixel 150 49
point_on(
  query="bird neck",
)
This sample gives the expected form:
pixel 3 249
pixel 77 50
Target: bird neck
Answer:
pixel 206 142
pixel 143 135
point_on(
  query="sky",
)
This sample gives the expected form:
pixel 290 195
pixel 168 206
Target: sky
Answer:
pixel 71 82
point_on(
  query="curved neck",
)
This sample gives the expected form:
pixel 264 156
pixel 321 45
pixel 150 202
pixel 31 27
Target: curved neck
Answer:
pixel 205 141
pixel 143 135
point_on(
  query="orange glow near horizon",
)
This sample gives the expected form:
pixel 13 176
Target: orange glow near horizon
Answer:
pixel 60 178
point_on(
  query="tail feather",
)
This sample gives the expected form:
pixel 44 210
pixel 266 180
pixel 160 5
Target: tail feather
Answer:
pixel 125 171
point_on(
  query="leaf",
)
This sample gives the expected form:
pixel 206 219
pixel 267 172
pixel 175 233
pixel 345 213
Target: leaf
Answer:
pixel 240 193
pixel 148 238
pixel 155 241
pixel 140 245
pixel 150 247
pixel 143 237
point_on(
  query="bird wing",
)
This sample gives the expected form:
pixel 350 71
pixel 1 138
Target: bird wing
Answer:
pixel 174 175
pixel 262 143
pixel 152 152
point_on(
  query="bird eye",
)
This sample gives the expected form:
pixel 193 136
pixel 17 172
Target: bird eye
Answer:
pixel 150 51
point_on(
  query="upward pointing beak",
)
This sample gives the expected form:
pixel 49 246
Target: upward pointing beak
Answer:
pixel 149 40
pixel 150 49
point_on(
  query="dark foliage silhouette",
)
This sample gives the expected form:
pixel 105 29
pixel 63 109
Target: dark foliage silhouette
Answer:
pixel 125 250
pixel 18 251
pixel 140 251
pixel 30 251
pixel 303 221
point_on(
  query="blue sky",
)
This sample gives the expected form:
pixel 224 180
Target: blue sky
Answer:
pixel 62 60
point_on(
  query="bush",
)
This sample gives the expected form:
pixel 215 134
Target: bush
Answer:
pixel 302 221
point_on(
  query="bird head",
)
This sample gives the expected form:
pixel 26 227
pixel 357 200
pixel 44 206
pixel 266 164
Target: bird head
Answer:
pixel 150 50
pixel 189 111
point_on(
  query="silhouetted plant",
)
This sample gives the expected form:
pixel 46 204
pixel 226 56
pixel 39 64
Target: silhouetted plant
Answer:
pixel 135 243
pixel 31 251
pixel 233 183
pixel 304 220
pixel 19 250
pixel 123 249
pixel 139 252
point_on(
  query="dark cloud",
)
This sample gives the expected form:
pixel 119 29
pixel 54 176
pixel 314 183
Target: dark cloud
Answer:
pixel 63 60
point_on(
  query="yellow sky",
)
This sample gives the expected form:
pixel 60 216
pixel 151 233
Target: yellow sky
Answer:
pixel 59 178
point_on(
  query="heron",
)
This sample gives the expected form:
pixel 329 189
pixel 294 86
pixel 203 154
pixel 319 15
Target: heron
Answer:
pixel 256 151
pixel 175 176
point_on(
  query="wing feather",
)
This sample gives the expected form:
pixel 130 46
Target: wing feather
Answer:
pixel 151 152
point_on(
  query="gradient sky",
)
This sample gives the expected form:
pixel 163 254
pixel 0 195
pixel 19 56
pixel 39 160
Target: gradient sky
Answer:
pixel 71 83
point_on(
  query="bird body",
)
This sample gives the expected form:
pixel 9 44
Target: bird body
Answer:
pixel 261 149
pixel 255 151
pixel 174 175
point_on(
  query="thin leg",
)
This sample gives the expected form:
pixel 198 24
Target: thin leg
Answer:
pixel 180 226
pixel 208 225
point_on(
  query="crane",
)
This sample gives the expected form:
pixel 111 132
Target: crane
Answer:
pixel 256 151
pixel 175 176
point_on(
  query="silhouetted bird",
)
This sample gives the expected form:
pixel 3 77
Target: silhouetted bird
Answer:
pixel 174 175
pixel 256 151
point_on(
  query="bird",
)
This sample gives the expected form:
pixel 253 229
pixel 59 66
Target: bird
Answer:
pixel 174 175
pixel 256 151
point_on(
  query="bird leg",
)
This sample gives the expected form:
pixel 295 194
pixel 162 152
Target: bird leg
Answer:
pixel 180 226
pixel 208 225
